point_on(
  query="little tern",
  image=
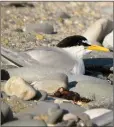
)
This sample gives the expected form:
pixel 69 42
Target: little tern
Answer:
pixel 67 55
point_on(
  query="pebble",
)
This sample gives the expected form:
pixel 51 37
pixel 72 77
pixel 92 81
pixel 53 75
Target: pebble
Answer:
pixel 25 91
pixel 70 108
pixel 94 90
pixel 52 110
pixel 23 123
pixel 74 79
pixel 85 119
pixel 108 41
pixel 43 27
pixel 7 114
pixel 111 77
pixel 40 109
pixel 62 15
pixel 55 116
pixel 70 116
pixel 93 113
pixel 111 69
pixel 24 116
pixel 98 30
pixel 51 83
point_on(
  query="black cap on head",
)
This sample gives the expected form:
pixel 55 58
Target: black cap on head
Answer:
pixel 76 40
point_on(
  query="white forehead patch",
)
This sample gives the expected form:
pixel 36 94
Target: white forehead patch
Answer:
pixel 86 41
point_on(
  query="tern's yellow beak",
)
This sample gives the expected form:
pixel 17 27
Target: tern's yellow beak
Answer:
pixel 98 48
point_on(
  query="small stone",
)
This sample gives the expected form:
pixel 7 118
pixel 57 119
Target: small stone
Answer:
pixel 16 123
pixel 94 113
pixel 18 87
pixel 111 78
pixel 61 14
pixel 55 116
pixel 111 69
pixel 24 116
pixel 71 123
pixel 98 30
pixel 70 108
pixel 52 110
pixel 51 83
pixel 70 116
pixel 43 27
pixel 85 119
pixel 40 109
pixel 108 41
pixel 94 90
pixel 7 114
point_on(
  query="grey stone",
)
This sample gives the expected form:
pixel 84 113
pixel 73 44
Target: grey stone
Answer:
pixel 43 27
pixel 61 14
pixel 26 123
pixel 111 69
pixel 74 79
pixel 93 113
pixel 69 107
pixel 92 89
pixel 52 110
pixel 108 41
pixel 40 109
pixel 70 116
pixel 86 119
pixel 24 116
pixel 55 116
pixel 111 77
pixel 25 91
pixel 98 30
pixel 7 114
pixel 51 83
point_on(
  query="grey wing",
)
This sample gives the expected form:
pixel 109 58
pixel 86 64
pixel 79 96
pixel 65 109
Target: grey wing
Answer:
pixel 53 57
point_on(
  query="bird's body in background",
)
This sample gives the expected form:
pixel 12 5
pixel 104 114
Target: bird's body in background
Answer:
pixel 66 56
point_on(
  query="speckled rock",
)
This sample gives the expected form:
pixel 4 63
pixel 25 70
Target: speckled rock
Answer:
pixel 23 116
pixel 73 79
pixel 85 119
pixel 70 116
pixel 68 107
pixel 93 90
pixel 111 69
pixel 52 110
pixel 108 41
pixel 99 30
pixel 55 116
pixel 93 113
pixel 40 109
pixel 26 123
pixel 25 91
pixel 62 15
pixel 51 83
pixel 43 27
pixel 6 113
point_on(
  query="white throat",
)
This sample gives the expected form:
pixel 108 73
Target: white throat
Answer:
pixel 75 51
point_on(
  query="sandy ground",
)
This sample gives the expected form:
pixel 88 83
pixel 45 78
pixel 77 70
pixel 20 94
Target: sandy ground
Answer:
pixel 14 19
